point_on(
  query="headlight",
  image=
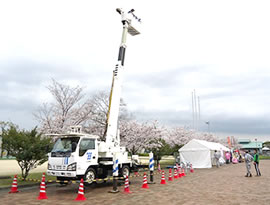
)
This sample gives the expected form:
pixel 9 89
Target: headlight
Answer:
pixel 72 167
pixel 49 166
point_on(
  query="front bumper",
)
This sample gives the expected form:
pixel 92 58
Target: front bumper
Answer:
pixel 61 173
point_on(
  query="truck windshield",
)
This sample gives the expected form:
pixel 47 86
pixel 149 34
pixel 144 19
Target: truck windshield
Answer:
pixel 65 146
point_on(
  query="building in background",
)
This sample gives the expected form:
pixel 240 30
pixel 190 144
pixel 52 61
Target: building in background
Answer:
pixel 247 144
pixel 266 151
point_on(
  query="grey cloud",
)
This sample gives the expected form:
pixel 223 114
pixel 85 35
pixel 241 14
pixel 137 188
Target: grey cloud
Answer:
pixel 28 72
pixel 166 78
pixel 232 126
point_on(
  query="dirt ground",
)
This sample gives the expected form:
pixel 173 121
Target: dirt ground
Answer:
pixel 224 185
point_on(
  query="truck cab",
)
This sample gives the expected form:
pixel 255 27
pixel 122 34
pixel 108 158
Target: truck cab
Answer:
pixel 72 155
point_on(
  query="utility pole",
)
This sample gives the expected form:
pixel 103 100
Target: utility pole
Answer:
pixel 208 123
pixel 193 123
pixel 196 115
pixel 199 111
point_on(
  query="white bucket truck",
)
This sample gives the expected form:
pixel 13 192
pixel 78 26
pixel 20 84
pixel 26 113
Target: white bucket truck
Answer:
pixel 77 155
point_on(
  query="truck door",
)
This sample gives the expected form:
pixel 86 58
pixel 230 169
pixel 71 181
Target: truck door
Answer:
pixel 88 152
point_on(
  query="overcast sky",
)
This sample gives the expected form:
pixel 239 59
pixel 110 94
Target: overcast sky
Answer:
pixel 219 48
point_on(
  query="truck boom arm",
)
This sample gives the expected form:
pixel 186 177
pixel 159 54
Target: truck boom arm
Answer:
pixel 114 104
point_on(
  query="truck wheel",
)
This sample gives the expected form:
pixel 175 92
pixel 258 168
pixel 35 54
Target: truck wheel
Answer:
pixel 90 176
pixel 125 171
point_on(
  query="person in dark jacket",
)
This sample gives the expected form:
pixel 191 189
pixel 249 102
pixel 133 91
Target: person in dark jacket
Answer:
pixel 256 163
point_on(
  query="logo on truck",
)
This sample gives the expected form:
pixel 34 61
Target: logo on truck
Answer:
pixel 89 155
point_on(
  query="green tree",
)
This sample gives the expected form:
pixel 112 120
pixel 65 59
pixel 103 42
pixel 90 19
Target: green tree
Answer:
pixel 3 127
pixel 164 149
pixel 28 147
pixel 266 144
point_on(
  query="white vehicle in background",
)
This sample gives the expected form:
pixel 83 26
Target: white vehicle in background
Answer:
pixel 77 155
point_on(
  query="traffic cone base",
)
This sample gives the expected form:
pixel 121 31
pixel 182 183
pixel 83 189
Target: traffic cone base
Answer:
pixel 42 196
pixel 179 173
pixel 145 186
pixel 183 172
pixel 127 192
pixel 80 197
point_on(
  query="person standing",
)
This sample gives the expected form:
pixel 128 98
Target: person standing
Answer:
pixel 248 160
pixel 256 163
pixel 217 156
pixel 227 155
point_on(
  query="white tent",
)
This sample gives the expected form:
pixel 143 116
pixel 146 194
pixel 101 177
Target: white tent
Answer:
pixel 200 153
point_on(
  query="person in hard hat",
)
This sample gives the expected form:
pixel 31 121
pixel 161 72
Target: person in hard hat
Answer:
pixel 248 160
pixel 256 163
pixel 217 156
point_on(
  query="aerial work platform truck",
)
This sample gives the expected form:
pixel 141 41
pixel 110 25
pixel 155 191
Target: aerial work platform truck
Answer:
pixel 77 155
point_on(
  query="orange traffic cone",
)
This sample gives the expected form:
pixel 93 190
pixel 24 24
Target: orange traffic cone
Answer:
pixel 179 172
pixel 80 196
pixel 170 175
pixel 126 190
pixel 183 172
pixel 145 185
pixel 14 188
pixel 163 181
pixel 42 190
pixel 175 174
pixel 191 169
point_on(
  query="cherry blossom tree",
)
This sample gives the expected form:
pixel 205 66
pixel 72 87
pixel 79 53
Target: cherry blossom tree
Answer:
pixel 178 136
pixel 71 107
pixel 137 137
pixel 66 110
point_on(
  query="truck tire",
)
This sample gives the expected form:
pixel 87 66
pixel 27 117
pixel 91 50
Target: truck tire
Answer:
pixel 125 171
pixel 90 176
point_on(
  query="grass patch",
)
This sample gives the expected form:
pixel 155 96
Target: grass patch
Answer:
pixel 264 157
pixel 7 158
pixel 167 162
pixel 36 176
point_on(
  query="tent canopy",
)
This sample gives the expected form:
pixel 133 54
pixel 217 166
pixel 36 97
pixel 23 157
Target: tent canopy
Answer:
pixel 200 152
